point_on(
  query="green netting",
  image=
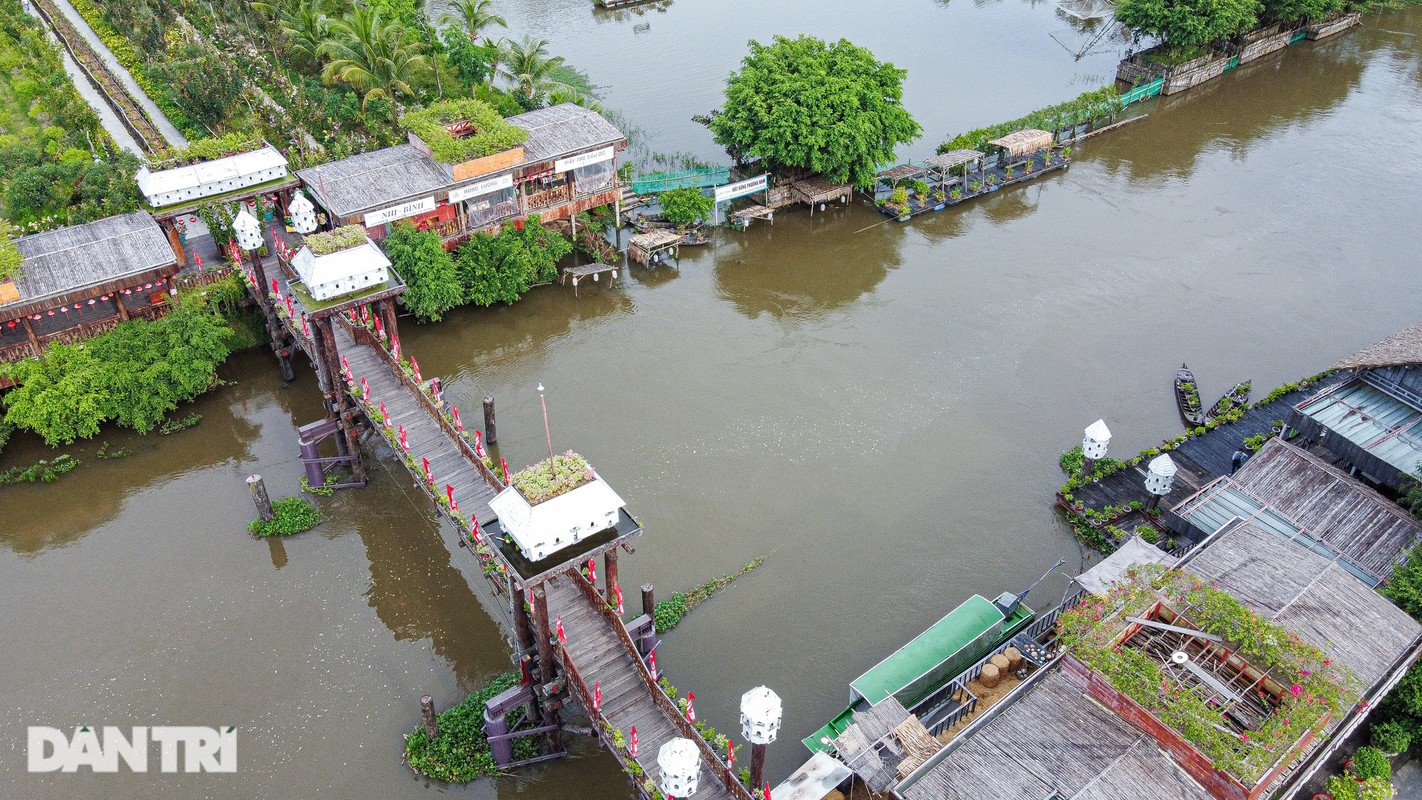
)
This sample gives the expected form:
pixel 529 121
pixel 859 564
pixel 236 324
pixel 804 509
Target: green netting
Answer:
pixel 691 178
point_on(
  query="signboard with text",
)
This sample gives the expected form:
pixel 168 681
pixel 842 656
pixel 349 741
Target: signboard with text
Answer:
pixel 401 211
pixel 583 159
pixel 478 188
pixel 741 188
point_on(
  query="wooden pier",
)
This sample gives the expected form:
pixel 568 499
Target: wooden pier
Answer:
pixel 592 652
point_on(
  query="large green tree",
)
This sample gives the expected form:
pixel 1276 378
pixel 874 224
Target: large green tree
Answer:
pixel 428 269
pixel 531 72
pixel 1189 23
pixel 685 206
pixel 472 16
pixel 828 108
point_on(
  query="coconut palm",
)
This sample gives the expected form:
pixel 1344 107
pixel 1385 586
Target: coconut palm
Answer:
pixel 531 72
pixel 374 57
pixel 473 16
pixel 303 23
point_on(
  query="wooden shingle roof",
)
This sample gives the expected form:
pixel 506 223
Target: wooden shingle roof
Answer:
pixel 562 130
pixel 374 180
pixel 77 256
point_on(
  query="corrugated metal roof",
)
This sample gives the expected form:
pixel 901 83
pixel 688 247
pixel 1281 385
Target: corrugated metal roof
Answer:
pixel 194 175
pixel 956 630
pixel 70 258
pixel 1372 419
pixel 374 180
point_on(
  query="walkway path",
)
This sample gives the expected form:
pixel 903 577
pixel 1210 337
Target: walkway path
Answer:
pixel 107 118
pixel 155 114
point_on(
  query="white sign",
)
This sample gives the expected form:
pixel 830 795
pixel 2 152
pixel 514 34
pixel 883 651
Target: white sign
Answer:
pixel 733 190
pixel 583 159
pixel 204 749
pixel 486 186
pixel 401 211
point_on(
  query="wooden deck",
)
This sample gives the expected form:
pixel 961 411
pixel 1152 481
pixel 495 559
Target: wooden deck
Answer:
pixel 600 652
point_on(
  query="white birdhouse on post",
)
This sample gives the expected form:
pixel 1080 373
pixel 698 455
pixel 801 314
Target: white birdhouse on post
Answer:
pixel 247 230
pixel 680 764
pixel 1160 478
pixel 1093 446
pixel 760 715
pixel 303 214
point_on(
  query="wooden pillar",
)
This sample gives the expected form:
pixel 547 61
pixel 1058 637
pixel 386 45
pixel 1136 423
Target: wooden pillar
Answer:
pixel 122 309
pixel 609 571
pixel 547 666
pixel 30 333
pixel 527 645
pixel 490 433
pixel 386 309
pixel 258 488
pixel 649 605
pixel 427 714
pixel 176 243
pixel 757 765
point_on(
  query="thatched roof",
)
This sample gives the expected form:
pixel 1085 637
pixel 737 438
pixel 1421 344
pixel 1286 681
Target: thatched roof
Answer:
pixel 900 172
pixel 816 189
pixel 374 180
pixel 68 259
pixel 954 158
pixel 1400 349
pixel 655 238
pixel 562 130
pixel 1020 143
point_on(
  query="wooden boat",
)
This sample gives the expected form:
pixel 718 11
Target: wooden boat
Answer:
pixel 692 238
pixel 1187 397
pixel 1235 398
pixel 648 222
pixel 949 647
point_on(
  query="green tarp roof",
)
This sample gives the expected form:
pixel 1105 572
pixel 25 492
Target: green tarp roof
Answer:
pixel 947 636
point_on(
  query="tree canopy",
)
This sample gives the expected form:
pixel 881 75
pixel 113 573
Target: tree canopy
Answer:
pixel 829 108
pixel 1189 23
pixel 428 270
pixel 685 206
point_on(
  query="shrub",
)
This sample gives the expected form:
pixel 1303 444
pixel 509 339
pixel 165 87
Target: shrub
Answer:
pixel 342 238
pixel 1391 736
pixel 1369 762
pixel 428 270
pixel 685 206
pixel 491 132
pixel 1148 533
pixel 460 753
pixel 290 515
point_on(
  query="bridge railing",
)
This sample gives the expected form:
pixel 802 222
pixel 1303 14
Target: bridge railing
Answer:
pixel 713 759
pixel 363 335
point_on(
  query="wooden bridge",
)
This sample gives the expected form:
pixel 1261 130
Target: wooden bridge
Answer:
pixel 370 389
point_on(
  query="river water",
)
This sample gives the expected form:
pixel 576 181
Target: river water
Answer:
pixel 877 407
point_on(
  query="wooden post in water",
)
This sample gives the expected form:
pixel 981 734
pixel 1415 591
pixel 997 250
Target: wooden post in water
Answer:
pixel 543 632
pixel 490 434
pixel 258 488
pixel 609 572
pixel 427 713
pixel 649 607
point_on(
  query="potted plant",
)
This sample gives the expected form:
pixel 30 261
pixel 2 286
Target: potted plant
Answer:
pixel 991 181
pixel 1066 153
pixel 956 193
pixel 1009 172
pixel 976 186
pixel 939 195
pixel 1391 736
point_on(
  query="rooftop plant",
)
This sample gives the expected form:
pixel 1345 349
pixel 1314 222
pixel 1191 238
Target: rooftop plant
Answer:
pixel 1314 687
pixel 538 482
pixel 489 133
pixel 205 150
pixel 342 238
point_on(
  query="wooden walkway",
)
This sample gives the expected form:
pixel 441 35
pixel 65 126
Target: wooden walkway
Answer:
pixel 599 652
pixel 449 465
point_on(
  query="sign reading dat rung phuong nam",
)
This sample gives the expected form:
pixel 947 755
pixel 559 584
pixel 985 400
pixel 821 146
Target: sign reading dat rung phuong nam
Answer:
pixel 740 189
pixel 583 159
pixel 392 213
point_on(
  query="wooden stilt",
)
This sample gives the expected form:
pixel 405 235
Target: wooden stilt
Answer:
pixel 547 666
pixel 258 488
pixel 609 571
pixel 490 432
pixel 427 713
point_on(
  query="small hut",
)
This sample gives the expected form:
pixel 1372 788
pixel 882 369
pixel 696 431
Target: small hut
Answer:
pixel 818 191
pixel 647 247
pixel 1018 147
pixel 953 168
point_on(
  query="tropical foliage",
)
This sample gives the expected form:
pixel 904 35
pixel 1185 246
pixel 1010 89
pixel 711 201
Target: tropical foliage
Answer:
pixel 431 278
pixel 1189 23
pixel 377 59
pixel 10 257
pixel 531 71
pixel 460 753
pixel 828 108
pixel 1317 688
pixel 490 132
pixel 472 16
pixel 500 268
pixel 685 206
pixel 1086 108
pixel 342 238
pixel 133 375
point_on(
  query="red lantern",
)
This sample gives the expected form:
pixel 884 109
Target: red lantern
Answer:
pixel 51 312
pixel 12 323
pixel 65 310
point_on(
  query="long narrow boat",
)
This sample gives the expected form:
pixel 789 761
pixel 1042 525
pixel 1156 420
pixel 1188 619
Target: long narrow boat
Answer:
pixel 954 643
pixel 1235 398
pixel 1187 397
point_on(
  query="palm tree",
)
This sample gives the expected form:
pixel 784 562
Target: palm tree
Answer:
pixel 530 70
pixel 303 23
pixel 473 16
pixel 376 58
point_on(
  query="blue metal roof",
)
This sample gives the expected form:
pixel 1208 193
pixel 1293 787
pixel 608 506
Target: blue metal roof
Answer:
pixel 1380 423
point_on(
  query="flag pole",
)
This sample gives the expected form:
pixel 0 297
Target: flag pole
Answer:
pixel 548 432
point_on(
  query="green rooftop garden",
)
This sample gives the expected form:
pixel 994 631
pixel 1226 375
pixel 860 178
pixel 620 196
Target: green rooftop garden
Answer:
pixel 538 482
pixel 463 129
pixel 1302 688
pixel 342 238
